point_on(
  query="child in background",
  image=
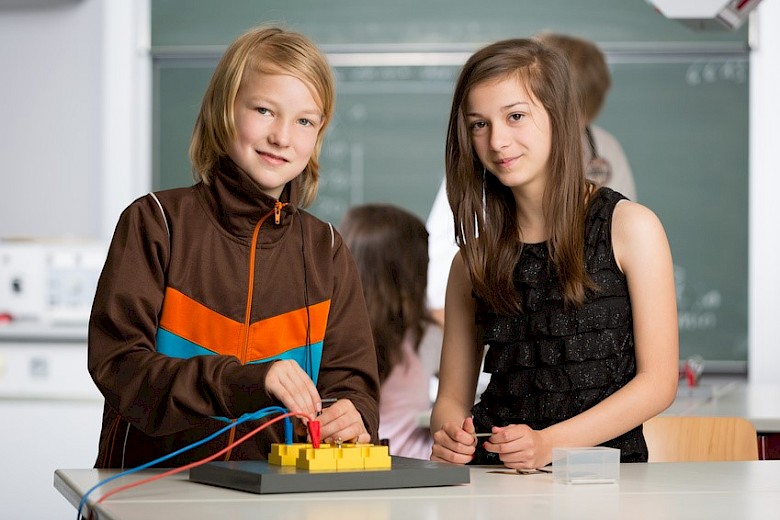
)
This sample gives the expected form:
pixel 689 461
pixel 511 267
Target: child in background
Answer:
pixel 226 297
pixel 390 247
pixel 606 163
pixel 569 285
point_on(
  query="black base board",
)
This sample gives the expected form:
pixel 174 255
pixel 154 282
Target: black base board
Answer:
pixel 261 477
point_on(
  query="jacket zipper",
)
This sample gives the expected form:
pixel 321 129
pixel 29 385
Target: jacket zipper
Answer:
pixel 276 212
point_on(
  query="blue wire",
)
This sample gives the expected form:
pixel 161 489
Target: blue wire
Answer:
pixel 259 414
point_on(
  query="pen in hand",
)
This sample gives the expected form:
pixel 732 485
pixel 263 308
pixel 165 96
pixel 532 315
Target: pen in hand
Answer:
pixel 327 402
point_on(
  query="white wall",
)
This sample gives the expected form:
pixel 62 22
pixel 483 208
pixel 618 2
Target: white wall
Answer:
pixel 764 218
pixel 126 107
pixel 49 101
pixel 74 112
pixel 73 100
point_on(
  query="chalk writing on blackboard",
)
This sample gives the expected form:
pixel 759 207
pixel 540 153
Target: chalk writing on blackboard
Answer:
pixel 697 308
pixel 713 71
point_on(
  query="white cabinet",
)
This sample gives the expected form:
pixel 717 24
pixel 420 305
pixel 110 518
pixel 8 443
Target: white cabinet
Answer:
pixel 51 419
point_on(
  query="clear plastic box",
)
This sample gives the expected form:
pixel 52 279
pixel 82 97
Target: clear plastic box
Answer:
pixel 598 465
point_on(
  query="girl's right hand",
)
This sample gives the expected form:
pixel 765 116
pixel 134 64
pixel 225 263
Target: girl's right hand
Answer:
pixel 288 382
pixel 455 443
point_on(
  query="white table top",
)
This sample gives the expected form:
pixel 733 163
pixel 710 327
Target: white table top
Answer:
pixel 689 491
pixel 759 404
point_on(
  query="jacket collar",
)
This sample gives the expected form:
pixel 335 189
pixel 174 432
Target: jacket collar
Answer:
pixel 237 203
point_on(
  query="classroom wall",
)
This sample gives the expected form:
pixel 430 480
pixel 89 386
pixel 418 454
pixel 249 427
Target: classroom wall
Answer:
pixel 764 211
pixel 74 136
pixel 74 115
pixel 49 122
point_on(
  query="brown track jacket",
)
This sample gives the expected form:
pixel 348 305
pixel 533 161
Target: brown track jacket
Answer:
pixel 186 320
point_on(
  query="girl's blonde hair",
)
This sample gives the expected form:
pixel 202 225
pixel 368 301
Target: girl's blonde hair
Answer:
pixel 268 50
pixel 487 233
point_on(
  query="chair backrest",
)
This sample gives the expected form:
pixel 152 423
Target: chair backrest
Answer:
pixel 687 439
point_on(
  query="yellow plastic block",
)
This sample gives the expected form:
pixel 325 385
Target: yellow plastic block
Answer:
pixel 376 457
pixel 346 457
pixel 349 457
pixel 286 454
pixel 321 459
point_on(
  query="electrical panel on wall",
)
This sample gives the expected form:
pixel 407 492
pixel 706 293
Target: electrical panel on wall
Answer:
pixel 49 282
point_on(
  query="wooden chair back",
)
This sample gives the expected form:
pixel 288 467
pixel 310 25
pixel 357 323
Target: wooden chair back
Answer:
pixel 687 439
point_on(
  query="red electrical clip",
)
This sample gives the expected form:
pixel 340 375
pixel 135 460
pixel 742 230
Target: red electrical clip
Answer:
pixel 314 433
pixel 690 376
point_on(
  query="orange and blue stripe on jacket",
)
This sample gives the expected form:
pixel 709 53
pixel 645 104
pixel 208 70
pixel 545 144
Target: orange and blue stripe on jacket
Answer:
pixel 188 328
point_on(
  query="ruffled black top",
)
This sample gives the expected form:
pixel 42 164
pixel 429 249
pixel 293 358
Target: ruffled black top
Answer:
pixel 548 364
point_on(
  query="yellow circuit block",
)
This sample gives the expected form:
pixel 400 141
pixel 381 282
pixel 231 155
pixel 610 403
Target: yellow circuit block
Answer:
pixel 349 456
pixel 329 457
pixel 322 459
pixel 286 454
pixel 376 457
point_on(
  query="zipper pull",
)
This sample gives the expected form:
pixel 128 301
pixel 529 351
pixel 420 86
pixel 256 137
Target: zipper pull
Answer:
pixel 278 211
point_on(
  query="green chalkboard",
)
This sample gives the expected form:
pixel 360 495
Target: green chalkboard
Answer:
pixel 684 127
pixel 679 105
pixel 187 23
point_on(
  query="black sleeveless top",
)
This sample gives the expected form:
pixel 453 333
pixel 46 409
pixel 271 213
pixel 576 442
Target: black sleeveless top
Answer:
pixel 548 364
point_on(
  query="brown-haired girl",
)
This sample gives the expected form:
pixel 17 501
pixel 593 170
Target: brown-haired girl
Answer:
pixel 569 286
pixel 390 247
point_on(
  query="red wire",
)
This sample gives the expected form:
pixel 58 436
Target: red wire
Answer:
pixel 202 461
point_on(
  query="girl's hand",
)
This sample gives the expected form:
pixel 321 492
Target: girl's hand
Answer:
pixel 519 447
pixel 455 443
pixel 341 420
pixel 288 382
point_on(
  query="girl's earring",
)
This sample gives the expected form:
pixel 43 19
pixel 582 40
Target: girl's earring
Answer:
pixel 484 198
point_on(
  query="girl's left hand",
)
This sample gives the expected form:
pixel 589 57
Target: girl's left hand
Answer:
pixel 519 447
pixel 341 420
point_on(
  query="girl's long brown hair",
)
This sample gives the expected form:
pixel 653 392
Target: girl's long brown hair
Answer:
pixel 390 248
pixel 487 234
